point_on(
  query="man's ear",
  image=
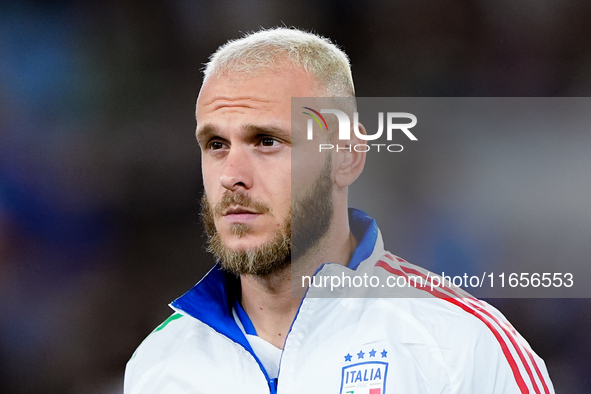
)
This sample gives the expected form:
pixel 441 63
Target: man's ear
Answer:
pixel 348 162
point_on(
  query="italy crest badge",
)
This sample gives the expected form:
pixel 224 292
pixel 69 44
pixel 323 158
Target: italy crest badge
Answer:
pixel 365 377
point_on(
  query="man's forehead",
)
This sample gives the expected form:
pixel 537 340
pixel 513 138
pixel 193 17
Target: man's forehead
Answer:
pixel 269 85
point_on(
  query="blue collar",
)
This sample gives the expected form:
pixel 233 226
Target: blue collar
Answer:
pixel 211 300
pixel 365 230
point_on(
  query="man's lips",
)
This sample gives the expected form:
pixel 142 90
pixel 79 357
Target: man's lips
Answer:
pixel 239 214
pixel 238 211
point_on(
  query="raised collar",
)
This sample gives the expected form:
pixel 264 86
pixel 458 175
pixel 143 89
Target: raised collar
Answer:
pixel 365 230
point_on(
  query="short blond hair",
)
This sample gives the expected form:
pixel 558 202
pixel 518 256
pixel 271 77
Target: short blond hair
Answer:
pixel 269 48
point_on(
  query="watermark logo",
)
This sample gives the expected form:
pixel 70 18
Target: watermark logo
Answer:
pixel 392 120
pixel 310 135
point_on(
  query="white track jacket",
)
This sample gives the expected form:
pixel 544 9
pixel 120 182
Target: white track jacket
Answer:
pixel 358 340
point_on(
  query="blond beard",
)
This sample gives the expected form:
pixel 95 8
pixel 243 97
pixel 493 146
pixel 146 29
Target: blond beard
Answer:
pixel 311 213
pixel 263 260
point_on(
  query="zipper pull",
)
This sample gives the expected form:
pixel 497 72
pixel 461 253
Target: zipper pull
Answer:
pixel 273 385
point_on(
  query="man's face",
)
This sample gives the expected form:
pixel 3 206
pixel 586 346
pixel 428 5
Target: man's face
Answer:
pixel 244 130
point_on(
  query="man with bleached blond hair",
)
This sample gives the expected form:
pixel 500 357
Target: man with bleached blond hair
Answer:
pixel 249 326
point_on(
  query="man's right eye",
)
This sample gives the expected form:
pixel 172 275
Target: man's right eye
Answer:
pixel 215 145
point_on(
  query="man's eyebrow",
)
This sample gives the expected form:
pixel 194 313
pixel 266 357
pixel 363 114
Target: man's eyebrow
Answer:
pixel 269 130
pixel 209 131
pixel 205 133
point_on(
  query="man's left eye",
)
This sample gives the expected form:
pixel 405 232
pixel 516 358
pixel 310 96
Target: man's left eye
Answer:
pixel 269 142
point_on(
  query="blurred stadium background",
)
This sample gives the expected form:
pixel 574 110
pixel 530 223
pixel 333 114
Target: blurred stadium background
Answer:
pixel 100 176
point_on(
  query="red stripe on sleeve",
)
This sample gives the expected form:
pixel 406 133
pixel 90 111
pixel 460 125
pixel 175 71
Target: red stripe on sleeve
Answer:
pixel 511 334
pixel 510 359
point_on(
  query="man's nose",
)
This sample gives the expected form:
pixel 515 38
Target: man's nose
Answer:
pixel 237 171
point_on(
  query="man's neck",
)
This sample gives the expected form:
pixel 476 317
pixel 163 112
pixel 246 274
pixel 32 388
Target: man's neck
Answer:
pixel 269 301
pixel 270 305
